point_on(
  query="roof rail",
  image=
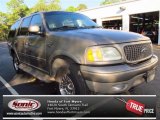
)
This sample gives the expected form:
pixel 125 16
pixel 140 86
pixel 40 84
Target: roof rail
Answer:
pixel 35 12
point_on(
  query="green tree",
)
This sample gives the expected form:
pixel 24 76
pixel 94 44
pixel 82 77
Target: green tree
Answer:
pixel 17 7
pixel 16 10
pixel 71 9
pixel 54 5
pixel 78 8
pixel 40 6
pixel 105 2
pixel 3 26
pixel 81 7
pixel 46 5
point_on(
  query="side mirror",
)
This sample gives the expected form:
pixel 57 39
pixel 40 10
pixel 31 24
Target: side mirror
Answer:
pixel 34 29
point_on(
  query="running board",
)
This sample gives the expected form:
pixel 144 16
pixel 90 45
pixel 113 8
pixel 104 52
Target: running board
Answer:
pixel 36 73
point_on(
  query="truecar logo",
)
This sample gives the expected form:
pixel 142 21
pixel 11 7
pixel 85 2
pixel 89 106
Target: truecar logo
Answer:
pixel 135 107
pixel 138 108
pixel 24 104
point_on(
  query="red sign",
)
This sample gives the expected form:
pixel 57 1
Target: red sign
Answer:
pixel 24 104
pixel 135 107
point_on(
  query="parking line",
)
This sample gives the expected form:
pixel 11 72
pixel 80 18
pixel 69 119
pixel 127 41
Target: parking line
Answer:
pixel 13 91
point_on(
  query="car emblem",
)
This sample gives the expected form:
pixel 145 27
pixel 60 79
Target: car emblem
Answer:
pixel 144 50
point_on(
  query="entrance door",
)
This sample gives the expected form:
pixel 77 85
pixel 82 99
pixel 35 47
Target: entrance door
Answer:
pixel 146 24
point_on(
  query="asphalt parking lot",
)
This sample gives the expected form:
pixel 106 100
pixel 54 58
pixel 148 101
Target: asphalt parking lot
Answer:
pixel 24 84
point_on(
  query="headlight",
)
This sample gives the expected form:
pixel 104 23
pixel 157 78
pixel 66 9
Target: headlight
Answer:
pixel 102 54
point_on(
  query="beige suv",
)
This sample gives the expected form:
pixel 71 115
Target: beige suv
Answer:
pixel 72 50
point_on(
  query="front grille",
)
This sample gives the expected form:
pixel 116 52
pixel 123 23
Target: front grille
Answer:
pixel 137 52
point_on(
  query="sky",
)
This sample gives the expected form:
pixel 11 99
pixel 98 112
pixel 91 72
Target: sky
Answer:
pixel 64 3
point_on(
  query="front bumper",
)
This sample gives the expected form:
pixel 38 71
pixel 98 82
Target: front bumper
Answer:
pixel 118 78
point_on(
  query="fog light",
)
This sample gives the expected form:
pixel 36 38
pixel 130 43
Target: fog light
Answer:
pixel 120 87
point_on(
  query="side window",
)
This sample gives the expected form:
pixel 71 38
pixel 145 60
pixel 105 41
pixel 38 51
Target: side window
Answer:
pixel 14 29
pixel 36 20
pixel 24 26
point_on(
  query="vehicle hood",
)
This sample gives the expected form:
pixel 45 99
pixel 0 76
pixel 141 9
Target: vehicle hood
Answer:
pixel 102 36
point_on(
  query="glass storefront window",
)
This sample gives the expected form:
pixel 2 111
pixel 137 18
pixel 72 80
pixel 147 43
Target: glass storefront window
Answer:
pixel 146 24
pixel 113 24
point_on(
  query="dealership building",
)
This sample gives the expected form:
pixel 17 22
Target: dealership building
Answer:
pixel 141 16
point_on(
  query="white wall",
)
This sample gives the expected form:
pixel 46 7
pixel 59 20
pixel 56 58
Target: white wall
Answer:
pixel 131 7
pixel 125 22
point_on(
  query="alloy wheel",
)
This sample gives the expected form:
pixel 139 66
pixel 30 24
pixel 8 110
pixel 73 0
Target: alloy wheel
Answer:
pixel 66 86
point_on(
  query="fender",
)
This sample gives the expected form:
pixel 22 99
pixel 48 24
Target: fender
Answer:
pixel 58 55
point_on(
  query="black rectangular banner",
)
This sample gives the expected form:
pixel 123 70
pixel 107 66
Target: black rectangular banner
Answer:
pixel 92 106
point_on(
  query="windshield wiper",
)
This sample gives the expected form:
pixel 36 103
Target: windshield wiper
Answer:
pixel 75 27
pixel 65 27
pixel 93 27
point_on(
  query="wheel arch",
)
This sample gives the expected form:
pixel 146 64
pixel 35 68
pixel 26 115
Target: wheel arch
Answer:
pixel 13 52
pixel 61 61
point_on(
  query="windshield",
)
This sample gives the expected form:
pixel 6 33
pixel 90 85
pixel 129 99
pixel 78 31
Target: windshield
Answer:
pixel 67 21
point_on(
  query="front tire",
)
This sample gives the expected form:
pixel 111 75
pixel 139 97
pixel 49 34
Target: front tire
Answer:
pixel 73 83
